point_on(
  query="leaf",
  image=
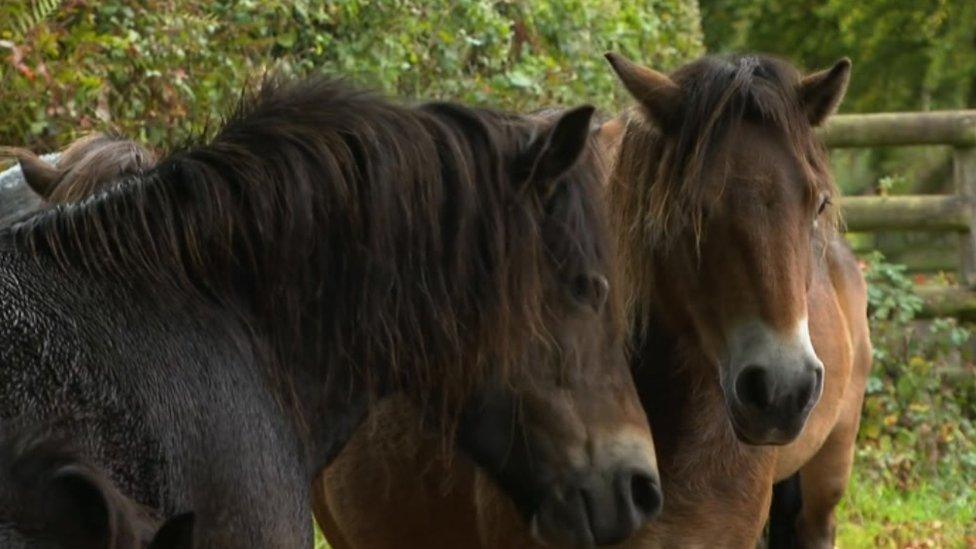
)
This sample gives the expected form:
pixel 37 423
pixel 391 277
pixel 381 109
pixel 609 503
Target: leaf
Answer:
pixel 519 79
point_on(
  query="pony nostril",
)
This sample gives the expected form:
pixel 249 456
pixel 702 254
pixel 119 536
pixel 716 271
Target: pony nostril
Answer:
pixel 619 509
pixel 752 387
pixel 645 494
pixel 803 396
pixel 808 394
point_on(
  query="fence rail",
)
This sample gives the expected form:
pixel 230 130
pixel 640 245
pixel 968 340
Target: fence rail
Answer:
pixel 906 213
pixel 956 128
pixel 954 213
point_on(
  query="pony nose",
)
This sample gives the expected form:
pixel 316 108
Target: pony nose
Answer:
pixel 604 508
pixel 776 390
pixel 640 489
pixel 616 512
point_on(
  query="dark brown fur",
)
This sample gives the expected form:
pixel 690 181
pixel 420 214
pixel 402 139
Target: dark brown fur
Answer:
pixel 591 417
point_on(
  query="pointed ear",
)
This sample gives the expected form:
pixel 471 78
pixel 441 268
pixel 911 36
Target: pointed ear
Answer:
pixel 655 91
pixel 176 533
pixel 554 152
pixel 39 175
pixel 78 510
pixel 821 92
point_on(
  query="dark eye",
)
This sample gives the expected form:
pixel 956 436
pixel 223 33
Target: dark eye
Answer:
pixel 824 202
pixel 590 289
pixel 580 288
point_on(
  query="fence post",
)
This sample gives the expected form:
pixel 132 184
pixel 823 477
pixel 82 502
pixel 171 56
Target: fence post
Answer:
pixel 964 180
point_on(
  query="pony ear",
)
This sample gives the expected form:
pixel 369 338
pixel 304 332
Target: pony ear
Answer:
pixel 176 533
pixel 39 175
pixel 655 91
pixel 558 148
pixel 821 92
pixel 77 509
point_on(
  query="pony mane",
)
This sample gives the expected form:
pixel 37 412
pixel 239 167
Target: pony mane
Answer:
pixel 343 228
pixel 657 180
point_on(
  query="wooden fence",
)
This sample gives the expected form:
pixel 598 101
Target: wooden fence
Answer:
pixel 954 213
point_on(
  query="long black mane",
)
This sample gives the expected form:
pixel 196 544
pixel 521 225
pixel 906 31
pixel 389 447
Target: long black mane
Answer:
pixel 345 230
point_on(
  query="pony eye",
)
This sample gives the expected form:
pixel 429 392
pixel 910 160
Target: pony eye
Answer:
pixel 823 204
pixel 580 287
pixel 590 289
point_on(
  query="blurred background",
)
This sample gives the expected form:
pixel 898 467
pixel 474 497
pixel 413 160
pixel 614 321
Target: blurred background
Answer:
pixel 163 71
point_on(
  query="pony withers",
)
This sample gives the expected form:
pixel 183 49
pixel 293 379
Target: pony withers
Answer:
pixel 84 167
pixel 748 318
pixel 325 249
pixel 51 496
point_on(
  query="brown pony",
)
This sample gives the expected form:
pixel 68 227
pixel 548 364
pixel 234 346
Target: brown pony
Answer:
pixel 86 166
pixel 748 315
pixel 749 310
pixel 394 460
pixel 590 418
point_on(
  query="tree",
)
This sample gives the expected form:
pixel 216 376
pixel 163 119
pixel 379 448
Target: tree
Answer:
pixel 908 55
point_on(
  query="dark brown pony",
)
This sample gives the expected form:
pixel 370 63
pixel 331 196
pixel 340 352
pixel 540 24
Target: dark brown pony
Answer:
pixel 52 497
pixel 749 313
pixel 228 317
pixel 359 501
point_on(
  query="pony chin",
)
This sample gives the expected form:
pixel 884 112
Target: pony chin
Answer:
pixel 765 436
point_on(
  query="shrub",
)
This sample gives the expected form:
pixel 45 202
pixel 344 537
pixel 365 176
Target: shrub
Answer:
pixel 160 69
pixel 919 419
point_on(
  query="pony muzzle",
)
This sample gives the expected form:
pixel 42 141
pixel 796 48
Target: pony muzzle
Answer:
pixel 598 510
pixel 772 384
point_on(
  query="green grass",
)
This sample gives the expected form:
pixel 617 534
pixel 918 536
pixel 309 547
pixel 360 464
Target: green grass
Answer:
pixel 938 513
pixel 320 542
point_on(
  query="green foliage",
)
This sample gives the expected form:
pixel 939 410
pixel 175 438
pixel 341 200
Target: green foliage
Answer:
pixel 891 293
pixel 25 17
pixel 917 441
pixel 159 69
